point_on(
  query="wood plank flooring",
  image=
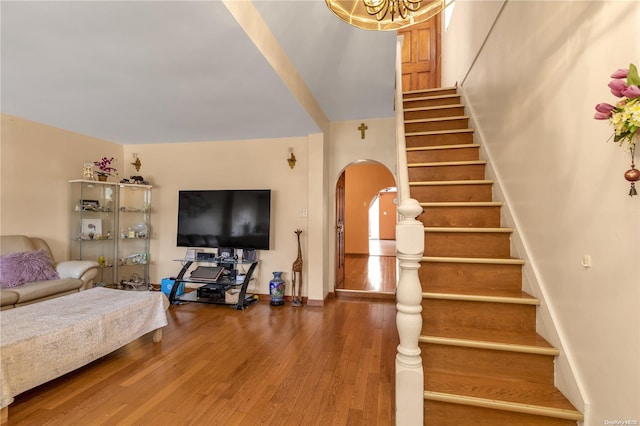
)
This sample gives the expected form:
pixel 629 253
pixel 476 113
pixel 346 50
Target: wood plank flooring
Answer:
pixel 370 273
pixel 373 273
pixel 331 365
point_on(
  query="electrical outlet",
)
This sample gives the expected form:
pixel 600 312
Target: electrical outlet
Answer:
pixel 304 213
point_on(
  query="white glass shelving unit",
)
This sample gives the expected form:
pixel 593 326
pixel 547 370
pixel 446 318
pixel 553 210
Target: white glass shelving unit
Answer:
pixel 133 237
pixel 93 225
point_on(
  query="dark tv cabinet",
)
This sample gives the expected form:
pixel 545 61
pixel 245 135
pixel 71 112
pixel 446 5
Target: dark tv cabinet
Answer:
pixel 218 287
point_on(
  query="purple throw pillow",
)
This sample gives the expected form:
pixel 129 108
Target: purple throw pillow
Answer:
pixel 27 266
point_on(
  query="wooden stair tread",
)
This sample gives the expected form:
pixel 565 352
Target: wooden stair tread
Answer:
pixel 476 343
pixel 424 98
pixel 488 295
pixel 436 119
pixel 431 108
pixel 435 89
pixel 462 204
pixel 542 413
pixel 438 132
pixel 451 182
pixel 449 163
pixel 452 229
pixel 491 260
pixel 523 395
pixel 486 335
pixel 442 147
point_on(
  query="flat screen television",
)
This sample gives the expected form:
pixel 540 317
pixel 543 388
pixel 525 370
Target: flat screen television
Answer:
pixel 235 218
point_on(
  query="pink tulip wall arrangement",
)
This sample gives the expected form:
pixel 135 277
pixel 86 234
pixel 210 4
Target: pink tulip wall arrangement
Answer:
pixel 624 116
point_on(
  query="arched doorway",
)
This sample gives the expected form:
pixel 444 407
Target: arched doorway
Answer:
pixel 365 257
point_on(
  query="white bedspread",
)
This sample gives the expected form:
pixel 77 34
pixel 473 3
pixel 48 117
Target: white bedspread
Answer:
pixel 45 340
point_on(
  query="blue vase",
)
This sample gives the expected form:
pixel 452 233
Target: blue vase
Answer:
pixel 276 289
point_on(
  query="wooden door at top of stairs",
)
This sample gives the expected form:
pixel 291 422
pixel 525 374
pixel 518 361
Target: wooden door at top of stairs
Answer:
pixel 421 55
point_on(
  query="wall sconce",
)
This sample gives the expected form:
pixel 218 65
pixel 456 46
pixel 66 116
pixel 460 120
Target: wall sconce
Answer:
pixel 137 164
pixel 292 158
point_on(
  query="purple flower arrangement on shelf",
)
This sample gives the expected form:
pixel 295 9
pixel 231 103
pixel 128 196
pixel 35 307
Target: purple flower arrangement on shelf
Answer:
pixel 104 166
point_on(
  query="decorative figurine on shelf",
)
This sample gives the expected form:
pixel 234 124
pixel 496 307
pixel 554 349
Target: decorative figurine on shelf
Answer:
pixel 296 271
pixel 135 179
pixel 87 171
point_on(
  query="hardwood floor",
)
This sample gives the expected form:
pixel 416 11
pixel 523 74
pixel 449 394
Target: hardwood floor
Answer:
pixel 382 247
pixel 218 366
pixel 375 272
pixel 370 273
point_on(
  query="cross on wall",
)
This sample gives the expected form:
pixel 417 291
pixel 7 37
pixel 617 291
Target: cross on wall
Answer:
pixel 362 129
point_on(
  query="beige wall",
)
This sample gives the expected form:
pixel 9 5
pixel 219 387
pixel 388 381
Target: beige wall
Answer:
pixel 316 259
pixel 531 92
pixel 37 162
pixel 251 164
pixel 346 148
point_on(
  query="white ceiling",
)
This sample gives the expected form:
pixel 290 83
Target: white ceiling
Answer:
pixel 175 71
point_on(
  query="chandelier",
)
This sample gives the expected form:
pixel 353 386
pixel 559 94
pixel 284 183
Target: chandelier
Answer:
pixel 385 15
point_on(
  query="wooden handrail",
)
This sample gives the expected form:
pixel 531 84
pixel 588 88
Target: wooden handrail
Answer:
pixel 401 145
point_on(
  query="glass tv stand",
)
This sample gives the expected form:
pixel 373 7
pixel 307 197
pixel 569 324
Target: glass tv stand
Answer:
pixel 228 289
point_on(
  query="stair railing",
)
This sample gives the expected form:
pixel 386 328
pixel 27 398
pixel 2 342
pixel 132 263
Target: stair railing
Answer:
pixel 409 250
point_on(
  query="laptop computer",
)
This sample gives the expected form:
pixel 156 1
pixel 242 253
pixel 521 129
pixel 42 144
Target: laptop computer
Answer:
pixel 207 273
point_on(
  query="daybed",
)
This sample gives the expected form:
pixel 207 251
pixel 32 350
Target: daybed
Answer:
pixel 28 272
pixel 43 341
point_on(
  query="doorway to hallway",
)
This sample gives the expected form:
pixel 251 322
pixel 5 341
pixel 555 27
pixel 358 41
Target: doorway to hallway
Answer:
pixel 365 231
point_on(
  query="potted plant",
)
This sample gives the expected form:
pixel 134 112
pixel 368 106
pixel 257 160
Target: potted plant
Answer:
pixel 104 168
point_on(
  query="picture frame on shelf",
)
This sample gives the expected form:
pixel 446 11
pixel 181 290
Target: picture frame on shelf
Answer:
pixel 90 205
pixel 91 229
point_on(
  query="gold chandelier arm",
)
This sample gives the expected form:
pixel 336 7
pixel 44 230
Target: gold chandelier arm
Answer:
pixel 380 8
pixel 377 8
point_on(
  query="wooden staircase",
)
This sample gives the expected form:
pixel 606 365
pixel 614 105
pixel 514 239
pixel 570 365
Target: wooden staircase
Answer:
pixel 484 363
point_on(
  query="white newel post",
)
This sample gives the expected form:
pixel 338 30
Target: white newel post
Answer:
pixel 409 372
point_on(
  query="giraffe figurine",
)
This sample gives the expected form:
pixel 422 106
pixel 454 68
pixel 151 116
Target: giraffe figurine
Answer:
pixel 296 271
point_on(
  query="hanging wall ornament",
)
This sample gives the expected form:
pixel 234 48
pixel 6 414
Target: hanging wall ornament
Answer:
pixel 632 175
pixel 623 116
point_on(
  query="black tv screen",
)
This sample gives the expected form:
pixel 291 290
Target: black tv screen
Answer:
pixel 238 218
